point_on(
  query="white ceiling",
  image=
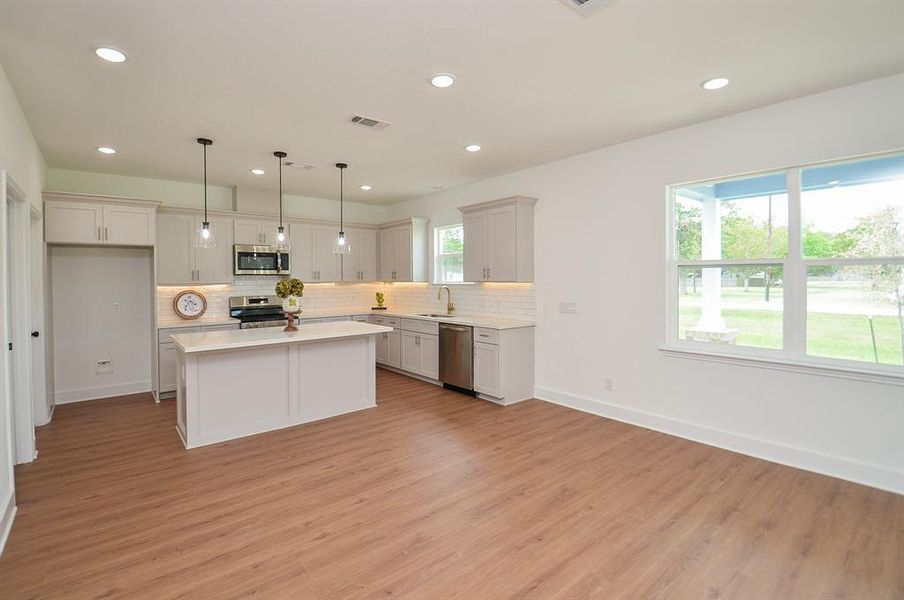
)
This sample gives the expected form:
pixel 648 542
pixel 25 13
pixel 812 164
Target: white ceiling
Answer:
pixel 536 80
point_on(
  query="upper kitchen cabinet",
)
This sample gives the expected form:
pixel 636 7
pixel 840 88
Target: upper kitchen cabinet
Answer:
pixel 255 232
pixel 499 240
pixel 403 249
pixel 361 263
pixel 312 259
pixel 95 220
pixel 181 261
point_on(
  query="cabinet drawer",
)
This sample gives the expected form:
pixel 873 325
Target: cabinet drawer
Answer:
pixel 487 336
pixel 163 335
pixel 418 326
pixel 386 321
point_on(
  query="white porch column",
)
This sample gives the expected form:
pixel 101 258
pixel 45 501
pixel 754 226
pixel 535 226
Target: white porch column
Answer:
pixel 711 315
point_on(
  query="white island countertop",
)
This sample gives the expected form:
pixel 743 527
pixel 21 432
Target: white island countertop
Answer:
pixel 273 336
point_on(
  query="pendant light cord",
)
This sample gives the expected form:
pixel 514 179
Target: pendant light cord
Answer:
pixel 280 191
pixel 341 200
pixel 205 183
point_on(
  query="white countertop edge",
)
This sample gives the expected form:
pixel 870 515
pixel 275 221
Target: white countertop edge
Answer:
pixel 471 320
pixel 212 341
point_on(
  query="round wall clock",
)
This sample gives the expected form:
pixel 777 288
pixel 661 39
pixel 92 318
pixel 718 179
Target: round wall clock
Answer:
pixel 189 304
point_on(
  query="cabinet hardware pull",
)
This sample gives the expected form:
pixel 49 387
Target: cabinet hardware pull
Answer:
pixel 98 234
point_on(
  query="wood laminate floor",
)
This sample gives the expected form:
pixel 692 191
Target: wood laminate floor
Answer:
pixel 432 495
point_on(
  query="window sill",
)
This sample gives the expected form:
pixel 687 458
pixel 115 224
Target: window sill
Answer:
pixel 810 368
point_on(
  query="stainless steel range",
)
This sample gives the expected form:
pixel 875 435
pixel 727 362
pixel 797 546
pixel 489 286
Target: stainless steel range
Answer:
pixel 257 311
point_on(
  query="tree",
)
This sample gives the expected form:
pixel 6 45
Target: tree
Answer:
pixel 880 235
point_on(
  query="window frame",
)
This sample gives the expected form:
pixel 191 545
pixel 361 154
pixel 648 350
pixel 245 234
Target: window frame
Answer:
pixel 793 354
pixel 438 256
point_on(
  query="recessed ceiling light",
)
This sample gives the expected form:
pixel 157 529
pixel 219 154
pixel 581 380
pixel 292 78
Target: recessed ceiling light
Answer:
pixel 366 188
pixel 258 172
pixel 473 147
pixel 111 55
pixel 714 84
pixel 106 150
pixel 442 80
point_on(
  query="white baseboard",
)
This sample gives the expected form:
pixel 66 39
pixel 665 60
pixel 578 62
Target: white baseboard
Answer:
pixel 873 475
pixel 104 391
pixel 7 515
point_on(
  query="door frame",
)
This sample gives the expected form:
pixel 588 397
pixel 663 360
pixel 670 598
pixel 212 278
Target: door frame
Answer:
pixel 15 240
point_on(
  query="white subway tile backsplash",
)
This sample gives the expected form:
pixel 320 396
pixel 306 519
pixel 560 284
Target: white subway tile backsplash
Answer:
pixel 514 300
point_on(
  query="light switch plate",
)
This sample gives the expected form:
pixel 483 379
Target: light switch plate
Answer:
pixel 568 308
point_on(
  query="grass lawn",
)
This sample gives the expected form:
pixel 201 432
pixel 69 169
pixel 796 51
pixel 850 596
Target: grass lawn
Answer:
pixel 829 335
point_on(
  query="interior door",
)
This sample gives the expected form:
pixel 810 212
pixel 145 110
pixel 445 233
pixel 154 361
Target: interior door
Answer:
pixel 174 249
pixel 301 257
pixel 247 231
pixel 129 225
pixel 500 246
pixel 475 253
pixel 73 223
pixel 214 265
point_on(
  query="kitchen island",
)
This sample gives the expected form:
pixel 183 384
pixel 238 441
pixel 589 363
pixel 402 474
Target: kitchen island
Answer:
pixel 241 382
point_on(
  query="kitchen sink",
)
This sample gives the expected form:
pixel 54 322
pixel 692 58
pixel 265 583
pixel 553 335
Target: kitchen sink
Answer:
pixel 435 316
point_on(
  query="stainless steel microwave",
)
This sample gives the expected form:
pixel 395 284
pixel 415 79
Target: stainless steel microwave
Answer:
pixel 260 260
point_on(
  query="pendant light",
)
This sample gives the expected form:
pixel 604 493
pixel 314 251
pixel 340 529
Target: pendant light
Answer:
pixel 282 238
pixel 206 236
pixel 341 245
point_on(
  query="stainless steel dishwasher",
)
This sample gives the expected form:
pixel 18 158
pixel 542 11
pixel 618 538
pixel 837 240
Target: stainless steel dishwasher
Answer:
pixel 456 357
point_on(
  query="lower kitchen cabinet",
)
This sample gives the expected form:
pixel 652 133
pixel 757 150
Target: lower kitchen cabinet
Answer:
pixel 504 364
pixel 420 354
pixel 167 358
pixel 388 349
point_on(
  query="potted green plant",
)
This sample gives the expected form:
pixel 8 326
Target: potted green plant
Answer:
pixel 290 290
pixel 380 300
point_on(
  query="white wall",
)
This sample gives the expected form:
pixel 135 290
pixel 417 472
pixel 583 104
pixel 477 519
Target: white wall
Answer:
pixel 601 218
pixel 87 283
pixel 191 195
pixel 21 158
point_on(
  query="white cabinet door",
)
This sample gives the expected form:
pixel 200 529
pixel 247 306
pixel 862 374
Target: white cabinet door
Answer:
pixel 411 353
pixel 73 222
pixel 501 243
pixel 129 225
pixel 301 258
pixel 403 254
pixel 166 367
pixel 486 369
pixel 349 262
pixel 269 229
pixel 475 246
pixel 214 265
pixel 381 347
pixel 429 355
pixel 175 247
pixel 367 257
pixel 326 264
pixel 394 358
pixel 248 232
pixel 388 244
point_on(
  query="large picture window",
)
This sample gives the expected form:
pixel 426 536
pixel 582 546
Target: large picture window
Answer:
pixel 804 265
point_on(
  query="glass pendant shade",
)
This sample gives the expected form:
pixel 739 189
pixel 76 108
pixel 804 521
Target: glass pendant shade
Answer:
pixel 282 241
pixel 341 245
pixel 207 238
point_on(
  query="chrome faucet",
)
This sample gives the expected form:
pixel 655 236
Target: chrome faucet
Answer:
pixel 450 308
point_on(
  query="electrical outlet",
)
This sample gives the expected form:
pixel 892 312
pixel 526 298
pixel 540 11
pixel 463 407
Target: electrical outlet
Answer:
pixel 117 307
pixel 104 366
pixel 568 308
pixel 607 383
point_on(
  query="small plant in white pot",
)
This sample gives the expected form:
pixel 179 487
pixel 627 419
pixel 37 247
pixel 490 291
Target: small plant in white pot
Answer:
pixel 290 290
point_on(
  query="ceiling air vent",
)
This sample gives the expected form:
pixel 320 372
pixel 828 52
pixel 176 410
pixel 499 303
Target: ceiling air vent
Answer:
pixel 299 165
pixel 368 122
pixel 586 7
